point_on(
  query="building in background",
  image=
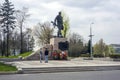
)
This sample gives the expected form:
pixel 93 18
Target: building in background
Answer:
pixel 116 47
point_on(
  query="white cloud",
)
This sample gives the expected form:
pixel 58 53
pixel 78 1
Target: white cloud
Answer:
pixel 52 5
pixel 104 14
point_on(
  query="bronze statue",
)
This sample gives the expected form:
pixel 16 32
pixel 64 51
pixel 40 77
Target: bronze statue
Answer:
pixel 59 23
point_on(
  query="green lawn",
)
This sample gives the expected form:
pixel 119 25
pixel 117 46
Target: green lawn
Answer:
pixel 4 67
pixel 23 55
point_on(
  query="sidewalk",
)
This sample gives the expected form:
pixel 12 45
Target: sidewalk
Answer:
pixel 77 64
pixel 60 63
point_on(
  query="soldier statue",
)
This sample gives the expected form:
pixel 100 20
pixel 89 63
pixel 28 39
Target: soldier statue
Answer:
pixel 59 23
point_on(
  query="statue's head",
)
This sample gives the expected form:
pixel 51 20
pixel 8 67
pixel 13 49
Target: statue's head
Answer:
pixel 60 13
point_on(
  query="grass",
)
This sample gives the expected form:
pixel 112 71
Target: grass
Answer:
pixel 5 67
pixel 17 56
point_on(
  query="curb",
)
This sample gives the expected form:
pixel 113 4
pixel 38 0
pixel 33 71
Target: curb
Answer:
pixel 11 72
pixel 8 73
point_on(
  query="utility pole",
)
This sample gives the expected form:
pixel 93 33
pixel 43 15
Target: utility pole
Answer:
pixel 91 35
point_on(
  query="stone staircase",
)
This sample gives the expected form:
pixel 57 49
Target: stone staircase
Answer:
pixel 33 56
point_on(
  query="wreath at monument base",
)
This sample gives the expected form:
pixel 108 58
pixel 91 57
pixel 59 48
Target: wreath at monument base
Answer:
pixel 59 55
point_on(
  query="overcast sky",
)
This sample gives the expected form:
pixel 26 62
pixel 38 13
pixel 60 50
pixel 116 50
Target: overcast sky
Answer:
pixel 105 14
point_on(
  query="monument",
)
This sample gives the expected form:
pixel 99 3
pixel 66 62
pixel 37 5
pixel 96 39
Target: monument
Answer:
pixel 59 42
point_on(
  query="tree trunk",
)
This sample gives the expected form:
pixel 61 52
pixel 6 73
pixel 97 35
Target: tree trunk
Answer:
pixel 21 51
pixel 7 42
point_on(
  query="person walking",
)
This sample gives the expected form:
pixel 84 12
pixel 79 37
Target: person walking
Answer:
pixel 46 55
pixel 40 55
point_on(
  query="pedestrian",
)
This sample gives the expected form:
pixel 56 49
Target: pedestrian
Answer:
pixel 40 55
pixel 46 55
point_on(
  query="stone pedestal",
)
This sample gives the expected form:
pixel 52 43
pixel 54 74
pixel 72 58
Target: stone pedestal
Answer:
pixel 54 42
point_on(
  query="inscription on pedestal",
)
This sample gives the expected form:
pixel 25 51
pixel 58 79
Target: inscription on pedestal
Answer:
pixel 55 42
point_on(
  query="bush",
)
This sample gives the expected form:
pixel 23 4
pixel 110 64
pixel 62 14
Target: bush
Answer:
pixel 114 55
pixel 74 52
pixel 85 55
pixel 98 55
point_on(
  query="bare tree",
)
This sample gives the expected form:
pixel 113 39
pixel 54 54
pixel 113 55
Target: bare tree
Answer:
pixel 43 33
pixel 21 16
pixel 28 37
pixel 76 45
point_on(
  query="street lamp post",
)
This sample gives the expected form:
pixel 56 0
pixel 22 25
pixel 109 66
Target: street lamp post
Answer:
pixel 91 35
